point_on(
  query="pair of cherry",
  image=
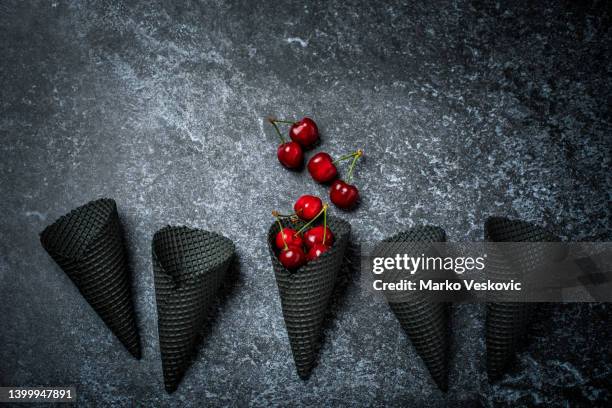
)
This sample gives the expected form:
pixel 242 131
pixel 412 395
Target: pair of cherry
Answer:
pixel 323 169
pixel 304 134
pixel 306 244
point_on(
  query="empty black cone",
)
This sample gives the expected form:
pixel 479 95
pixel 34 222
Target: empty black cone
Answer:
pixel 507 322
pixel 88 245
pixel 305 294
pixel 424 321
pixel 189 266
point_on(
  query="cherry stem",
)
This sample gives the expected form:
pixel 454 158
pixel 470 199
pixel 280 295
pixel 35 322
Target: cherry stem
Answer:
pixel 279 215
pixel 284 121
pixel 280 228
pixel 358 154
pixel 348 156
pixel 324 223
pixel 323 211
pixel 280 135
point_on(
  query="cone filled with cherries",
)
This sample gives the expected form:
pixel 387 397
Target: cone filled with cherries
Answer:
pixel 307 249
pixel 322 166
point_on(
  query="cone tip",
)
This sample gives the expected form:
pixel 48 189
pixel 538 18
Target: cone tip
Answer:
pixel 170 388
pixel 136 353
pixel 493 375
pixel 442 384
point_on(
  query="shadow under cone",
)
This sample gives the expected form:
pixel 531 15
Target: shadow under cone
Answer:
pixel 507 322
pixel 88 245
pixel 425 322
pixel 189 266
pixel 306 293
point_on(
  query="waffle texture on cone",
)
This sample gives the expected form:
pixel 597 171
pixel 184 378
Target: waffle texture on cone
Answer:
pixel 189 267
pixel 88 245
pixel 507 322
pixel 425 322
pixel 305 294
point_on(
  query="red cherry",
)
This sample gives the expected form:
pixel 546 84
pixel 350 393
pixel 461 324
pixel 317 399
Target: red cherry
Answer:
pixel 344 195
pixel 307 207
pixel 291 155
pixel 322 168
pixel 291 238
pixel 316 251
pixel 292 257
pixel 315 236
pixel 304 132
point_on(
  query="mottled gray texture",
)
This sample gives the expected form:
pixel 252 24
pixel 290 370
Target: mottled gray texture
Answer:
pixel 464 110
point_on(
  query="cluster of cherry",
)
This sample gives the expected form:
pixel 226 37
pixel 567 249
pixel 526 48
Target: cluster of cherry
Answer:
pixel 304 134
pixel 297 247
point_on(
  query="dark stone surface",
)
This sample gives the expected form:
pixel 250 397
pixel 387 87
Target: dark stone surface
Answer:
pixel 464 110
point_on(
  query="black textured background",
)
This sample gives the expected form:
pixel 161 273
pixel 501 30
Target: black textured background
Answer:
pixel 464 110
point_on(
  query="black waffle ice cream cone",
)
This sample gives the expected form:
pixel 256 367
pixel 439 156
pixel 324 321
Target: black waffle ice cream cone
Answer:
pixel 306 293
pixel 189 266
pixel 88 245
pixel 507 322
pixel 424 321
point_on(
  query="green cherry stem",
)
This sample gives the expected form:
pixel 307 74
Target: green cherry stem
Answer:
pixel 323 211
pixel 324 223
pixel 279 215
pixel 348 156
pixel 280 229
pixel 358 154
pixel 284 121
pixel 280 135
